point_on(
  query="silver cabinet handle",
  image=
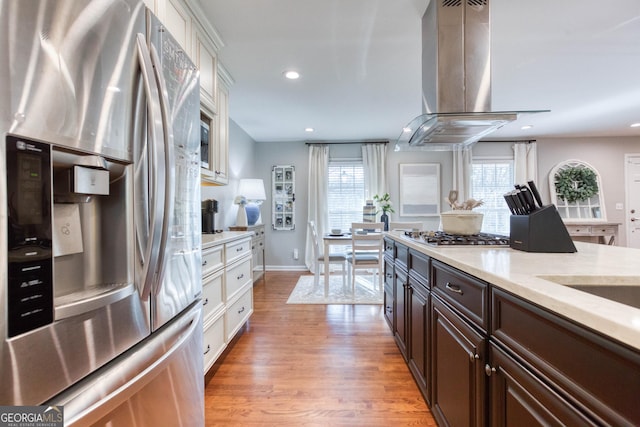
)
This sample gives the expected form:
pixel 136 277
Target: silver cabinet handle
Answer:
pixel 205 302
pixel 489 370
pixel 473 357
pixel 204 263
pixel 241 310
pixel 208 349
pixel 453 288
pixel 239 249
pixel 240 276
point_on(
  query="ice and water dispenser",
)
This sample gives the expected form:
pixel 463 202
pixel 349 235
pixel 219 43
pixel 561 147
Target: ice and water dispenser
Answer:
pixel 69 233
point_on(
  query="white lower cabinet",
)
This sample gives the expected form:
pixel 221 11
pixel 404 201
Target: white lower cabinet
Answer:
pixel 239 312
pixel 227 291
pixel 214 341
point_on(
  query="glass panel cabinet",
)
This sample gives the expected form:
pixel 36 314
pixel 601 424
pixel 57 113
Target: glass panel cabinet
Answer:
pixel 283 197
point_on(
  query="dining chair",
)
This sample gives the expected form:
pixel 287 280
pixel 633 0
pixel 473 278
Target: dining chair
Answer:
pixel 367 251
pixel 412 225
pixel 318 256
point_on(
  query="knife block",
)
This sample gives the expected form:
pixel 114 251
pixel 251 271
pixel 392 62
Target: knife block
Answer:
pixel 540 231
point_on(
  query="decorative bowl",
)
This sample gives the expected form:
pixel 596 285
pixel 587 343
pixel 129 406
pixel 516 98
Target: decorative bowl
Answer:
pixel 465 222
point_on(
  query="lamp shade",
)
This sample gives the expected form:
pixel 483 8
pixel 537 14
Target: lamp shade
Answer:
pixel 252 190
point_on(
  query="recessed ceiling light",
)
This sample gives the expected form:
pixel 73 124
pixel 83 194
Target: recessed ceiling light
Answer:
pixel 308 129
pixel 292 75
pixel 635 125
pixel 525 127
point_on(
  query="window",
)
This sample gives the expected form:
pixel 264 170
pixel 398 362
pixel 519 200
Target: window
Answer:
pixel 491 178
pixel 346 193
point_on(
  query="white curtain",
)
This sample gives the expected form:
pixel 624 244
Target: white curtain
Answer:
pixel 317 203
pixel 462 157
pixel 374 161
pixel 525 162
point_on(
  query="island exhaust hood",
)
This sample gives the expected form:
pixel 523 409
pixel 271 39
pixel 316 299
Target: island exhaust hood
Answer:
pixel 456 79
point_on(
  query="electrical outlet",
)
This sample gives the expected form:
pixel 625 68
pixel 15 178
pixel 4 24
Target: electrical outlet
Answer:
pixel 619 206
pixel 295 253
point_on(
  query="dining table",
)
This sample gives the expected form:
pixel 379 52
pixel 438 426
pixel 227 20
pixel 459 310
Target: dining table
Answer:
pixel 342 239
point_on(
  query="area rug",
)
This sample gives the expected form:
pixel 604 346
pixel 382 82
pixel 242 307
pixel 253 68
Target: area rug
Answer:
pixel 304 292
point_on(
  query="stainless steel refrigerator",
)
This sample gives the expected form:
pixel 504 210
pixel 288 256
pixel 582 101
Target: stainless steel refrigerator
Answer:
pixel 100 288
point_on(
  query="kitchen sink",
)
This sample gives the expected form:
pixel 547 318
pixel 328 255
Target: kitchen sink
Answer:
pixel 622 289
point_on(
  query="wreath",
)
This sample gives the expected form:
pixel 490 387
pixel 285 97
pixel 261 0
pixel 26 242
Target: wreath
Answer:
pixel 576 183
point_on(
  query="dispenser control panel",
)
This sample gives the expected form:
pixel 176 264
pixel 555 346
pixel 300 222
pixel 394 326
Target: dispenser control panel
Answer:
pixel 30 281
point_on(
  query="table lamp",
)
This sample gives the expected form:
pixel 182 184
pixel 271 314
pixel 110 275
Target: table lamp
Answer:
pixel 253 191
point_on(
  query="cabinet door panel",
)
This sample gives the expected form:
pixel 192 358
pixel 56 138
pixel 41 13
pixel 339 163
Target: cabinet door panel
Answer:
pixel 458 379
pixel 400 310
pixel 519 398
pixel 418 352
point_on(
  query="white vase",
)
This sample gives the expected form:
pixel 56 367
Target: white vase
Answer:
pixel 241 219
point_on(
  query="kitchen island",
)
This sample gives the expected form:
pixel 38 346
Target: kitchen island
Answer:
pixel 504 334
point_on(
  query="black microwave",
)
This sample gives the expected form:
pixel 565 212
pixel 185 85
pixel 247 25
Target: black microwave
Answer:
pixel 204 144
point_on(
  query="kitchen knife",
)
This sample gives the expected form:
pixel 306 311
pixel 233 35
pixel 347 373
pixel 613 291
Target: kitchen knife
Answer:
pixel 531 204
pixel 523 201
pixel 518 204
pixel 534 191
pixel 512 208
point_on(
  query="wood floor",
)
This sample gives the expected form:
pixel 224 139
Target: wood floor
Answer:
pixel 313 365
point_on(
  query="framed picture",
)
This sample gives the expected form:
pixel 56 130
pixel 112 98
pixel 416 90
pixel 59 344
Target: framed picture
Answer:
pixel 419 189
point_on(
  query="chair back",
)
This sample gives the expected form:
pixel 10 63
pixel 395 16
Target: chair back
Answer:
pixel 367 236
pixel 314 239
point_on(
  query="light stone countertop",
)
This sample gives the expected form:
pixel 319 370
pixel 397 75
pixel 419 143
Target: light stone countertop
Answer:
pixel 213 239
pixel 518 272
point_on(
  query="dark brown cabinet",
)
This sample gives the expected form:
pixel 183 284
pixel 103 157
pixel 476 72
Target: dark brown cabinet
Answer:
pixel 483 356
pixel 418 353
pixel 458 379
pixel 419 321
pixel 519 398
pixel 599 377
pixel 400 290
pixel 389 301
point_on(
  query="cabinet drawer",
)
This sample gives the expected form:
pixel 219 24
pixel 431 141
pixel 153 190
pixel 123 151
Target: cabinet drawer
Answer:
pixel 212 299
pixel 402 256
pixel 389 246
pixel 238 313
pixel 579 230
pixel 419 266
pixel 236 250
pixel 236 277
pixel 212 259
pixel 464 292
pixel 213 341
pixel 603 230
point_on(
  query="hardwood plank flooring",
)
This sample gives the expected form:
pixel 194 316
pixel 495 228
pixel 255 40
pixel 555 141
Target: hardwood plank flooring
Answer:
pixel 313 365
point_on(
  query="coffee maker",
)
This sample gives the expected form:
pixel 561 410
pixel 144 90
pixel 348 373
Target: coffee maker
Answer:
pixel 209 210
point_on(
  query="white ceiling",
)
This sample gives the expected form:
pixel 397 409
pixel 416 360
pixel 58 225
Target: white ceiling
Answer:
pixel 360 69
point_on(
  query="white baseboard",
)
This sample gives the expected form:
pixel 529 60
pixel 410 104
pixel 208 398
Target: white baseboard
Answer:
pixel 287 268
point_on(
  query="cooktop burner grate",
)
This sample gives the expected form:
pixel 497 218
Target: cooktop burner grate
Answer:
pixel 440 238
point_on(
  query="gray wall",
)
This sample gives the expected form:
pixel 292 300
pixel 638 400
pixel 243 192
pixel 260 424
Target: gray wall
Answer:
pixel 248 159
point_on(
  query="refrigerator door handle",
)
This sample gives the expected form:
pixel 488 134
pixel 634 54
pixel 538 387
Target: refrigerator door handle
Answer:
pixel 98 397
pixel 156 168
pixel 169 160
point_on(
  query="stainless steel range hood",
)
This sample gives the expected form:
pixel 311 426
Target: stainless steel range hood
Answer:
pixel 456 78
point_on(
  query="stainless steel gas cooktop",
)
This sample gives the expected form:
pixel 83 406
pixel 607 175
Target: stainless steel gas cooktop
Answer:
pixel 440 238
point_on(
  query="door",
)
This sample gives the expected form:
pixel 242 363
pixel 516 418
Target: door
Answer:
pixel 158 383
pixel 458 379
pixel 177 282
pixel 632 191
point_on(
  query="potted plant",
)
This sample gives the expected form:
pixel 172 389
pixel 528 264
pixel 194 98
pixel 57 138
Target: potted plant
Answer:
pixel 384 202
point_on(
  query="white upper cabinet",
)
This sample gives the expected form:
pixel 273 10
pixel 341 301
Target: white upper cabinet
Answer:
pixel 177 19
pixel 206 59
